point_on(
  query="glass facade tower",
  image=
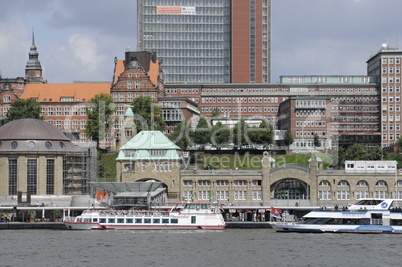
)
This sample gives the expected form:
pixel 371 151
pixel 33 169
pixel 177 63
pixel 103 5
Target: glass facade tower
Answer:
pixel 196 39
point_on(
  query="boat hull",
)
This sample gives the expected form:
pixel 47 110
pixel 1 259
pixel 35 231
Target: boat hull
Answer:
pixel 316 228
pixel 97 226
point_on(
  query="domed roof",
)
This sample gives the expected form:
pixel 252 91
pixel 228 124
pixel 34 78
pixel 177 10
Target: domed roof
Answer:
pixel 31 129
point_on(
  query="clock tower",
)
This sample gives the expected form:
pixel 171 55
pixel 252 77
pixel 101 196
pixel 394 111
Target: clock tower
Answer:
pixel 33 69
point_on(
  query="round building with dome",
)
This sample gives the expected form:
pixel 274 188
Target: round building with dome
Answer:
pixel 36 158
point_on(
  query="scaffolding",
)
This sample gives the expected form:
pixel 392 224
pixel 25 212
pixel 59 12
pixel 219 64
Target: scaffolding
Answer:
pixel 79 169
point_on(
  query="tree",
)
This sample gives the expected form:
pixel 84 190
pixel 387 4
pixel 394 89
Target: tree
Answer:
pixel 263 134
pixel 147 115
pixel 24 109
pixel 215 113
pixel 399 143
pixel 317 142
pixel 240 135
pixel 220 134
pixel 181 135
pixel 288 138
pixel 98 114
pixel 202 133
pixel 356 152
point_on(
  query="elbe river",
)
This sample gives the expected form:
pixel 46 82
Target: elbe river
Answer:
pixel 231 247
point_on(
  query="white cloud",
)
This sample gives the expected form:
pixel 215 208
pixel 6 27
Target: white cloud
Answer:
pixel 14 49
pixel 85 51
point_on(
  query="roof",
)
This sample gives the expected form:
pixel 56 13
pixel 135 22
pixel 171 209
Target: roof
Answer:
pixel 153 72
pixel 119 69
pixel 34 136
pixel 128 187
pixel 146 141
pixel 129 113
pixel 31 129
pixel 53 92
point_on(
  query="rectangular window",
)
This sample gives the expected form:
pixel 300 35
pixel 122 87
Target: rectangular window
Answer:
pixel 32 169
pixel 12 176
pixel 50 176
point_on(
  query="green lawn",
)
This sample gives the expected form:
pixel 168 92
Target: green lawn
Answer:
pixel 107 162
pixel 250 161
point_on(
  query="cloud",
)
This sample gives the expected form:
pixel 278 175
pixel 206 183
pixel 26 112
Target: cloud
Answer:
pixel 85 51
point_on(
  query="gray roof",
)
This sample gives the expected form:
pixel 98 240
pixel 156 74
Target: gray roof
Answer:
pixel 128 187
pixel 31 129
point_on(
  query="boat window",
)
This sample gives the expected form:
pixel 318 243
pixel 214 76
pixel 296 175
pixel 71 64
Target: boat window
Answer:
pixel 94 219
pixel 193 219
pixel 204 206
pixel 102 220
pixel 190 206
pixel 129 220
pixel 138 220
pixel 111 220
pixel 120 220
pixel 147 220
pixel 87 220
pixel 157 221
pixel 79 220
pixel 165 220
pixel 197 206
pixel 174 221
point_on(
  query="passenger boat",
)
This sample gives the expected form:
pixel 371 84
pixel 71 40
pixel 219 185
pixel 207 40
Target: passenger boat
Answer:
pixel 189 216
pixel 366 216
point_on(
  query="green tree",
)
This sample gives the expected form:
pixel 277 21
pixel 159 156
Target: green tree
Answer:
pixel 317 142
pixel 202 133
pixel 98 112
pixel 288 138
pixel 240 134
pixel 220 134
pixel 399 143
pixel 263 134
pixel 215 113
pixel 24 109
pixel 181 135
pixel 356 152
pixel 147 115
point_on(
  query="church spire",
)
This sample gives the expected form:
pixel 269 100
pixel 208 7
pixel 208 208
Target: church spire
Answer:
pixel 33 69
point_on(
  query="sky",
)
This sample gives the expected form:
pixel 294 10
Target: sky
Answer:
pixel 77 40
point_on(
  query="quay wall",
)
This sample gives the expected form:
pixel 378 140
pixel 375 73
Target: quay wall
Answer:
pixel 35 225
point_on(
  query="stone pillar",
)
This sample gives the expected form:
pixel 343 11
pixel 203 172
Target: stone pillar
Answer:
pixel 22 174
pixel 58 176
pixel 313 178
pixel 41 178
pixel 4 181
pixel 265 179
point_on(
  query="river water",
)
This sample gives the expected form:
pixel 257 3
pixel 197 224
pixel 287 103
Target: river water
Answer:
pixel 231 247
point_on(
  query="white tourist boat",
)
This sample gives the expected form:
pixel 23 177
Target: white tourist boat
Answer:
pixel 366 216
pixel 189 216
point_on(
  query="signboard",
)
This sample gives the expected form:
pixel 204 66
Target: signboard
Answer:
pixel 176 10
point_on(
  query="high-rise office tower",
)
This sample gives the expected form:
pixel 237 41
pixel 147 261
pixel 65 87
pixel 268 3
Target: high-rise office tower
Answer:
pixel 387 65
pixel 208 41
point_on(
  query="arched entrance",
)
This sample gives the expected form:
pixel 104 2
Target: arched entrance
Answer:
pixel 290 188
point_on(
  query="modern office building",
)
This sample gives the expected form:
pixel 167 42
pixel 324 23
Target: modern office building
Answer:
pixel 208 41
pixel 386 64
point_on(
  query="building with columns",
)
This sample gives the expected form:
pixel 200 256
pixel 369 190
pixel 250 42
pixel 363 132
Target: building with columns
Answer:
pixel 145 159
pixel 38 159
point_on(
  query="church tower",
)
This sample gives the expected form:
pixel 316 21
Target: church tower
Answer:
pixel 33 69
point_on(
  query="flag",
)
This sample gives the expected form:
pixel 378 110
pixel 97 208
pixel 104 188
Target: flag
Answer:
pixel 275 213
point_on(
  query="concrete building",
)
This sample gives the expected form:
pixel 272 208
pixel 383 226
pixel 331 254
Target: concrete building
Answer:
pixel 145 158
pixel 386 64
pixel 208 41
pixel 38 159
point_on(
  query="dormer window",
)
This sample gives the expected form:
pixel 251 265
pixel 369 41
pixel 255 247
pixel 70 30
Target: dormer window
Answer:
pixel 158 152
pixel 66 99
pixel 129 152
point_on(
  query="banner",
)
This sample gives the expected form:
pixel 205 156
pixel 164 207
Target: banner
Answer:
pixel 275 213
